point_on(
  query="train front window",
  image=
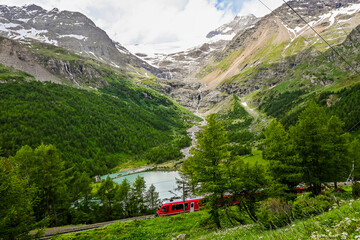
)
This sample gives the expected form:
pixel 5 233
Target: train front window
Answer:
pixel 163 209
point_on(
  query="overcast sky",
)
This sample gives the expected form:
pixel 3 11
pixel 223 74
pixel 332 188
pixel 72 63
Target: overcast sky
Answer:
pixel 161 24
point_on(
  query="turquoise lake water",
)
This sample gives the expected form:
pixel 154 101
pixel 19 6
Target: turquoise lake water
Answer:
pixel 162 180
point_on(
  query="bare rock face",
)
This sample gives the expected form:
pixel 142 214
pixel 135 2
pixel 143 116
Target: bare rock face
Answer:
pixel 14 55
pixel 70 30
pixel 78 71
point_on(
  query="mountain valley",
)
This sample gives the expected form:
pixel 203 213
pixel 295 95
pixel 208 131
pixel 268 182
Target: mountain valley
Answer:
pixel 76 104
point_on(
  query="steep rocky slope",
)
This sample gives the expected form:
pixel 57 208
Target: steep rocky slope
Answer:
pixel 50 63
pixel 276 37
pixel 70 30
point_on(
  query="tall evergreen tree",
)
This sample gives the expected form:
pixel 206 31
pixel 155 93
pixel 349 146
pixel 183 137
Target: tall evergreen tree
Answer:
pixel 107 192
pixel 16 202
pixel 204 166
pixel 315 150
pixel 81 196
pixel 354 156
pixel 123 197
pixel 45 170
pixel 338 151
pixel 152 198
pixel 319 142
pixel 243 182
pixel 284 164
pixel 137 202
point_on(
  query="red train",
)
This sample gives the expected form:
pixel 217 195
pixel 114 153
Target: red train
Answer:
pixel 191 205
pixel 171 208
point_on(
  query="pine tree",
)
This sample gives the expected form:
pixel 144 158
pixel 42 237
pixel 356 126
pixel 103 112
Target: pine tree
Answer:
pixel 354 158
pixel 123 196
pixel 46 170
pixel 152 198
pixel 184 187
pixel 319 143
pixel 204 166
pixel 107 192
pixel 137 196
pixel 81 196
pixel 338 151
pixel 314 151
pixel 16 202
pixel 284 165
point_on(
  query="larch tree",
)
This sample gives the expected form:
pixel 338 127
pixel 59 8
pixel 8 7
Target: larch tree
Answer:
pixel 284 164
pixel 45 170
pixel 16 203
pixel 320 144
pixel 243 182
pixel 123 196
pixel 152 198
pixel 204 167
pixel 354 156
pixel 137 201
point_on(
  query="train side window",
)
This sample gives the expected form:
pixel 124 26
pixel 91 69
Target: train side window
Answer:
pixel 179 207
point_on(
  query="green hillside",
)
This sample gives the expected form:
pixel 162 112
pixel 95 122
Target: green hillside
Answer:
pixel 326 77
pixel 94 130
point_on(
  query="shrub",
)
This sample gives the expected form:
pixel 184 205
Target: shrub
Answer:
pixel 274 213
pixel 306 205
pixel 356 190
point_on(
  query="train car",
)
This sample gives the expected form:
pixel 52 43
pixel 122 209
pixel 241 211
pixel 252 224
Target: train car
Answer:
pixel 171 208
pixel 191 205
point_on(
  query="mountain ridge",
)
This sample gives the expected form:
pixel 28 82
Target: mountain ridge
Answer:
pixel 70 30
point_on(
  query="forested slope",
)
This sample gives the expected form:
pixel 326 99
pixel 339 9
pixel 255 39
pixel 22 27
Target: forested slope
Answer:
pixel 94 130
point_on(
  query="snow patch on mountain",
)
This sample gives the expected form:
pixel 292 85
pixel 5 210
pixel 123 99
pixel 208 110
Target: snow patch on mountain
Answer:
pixel 80 37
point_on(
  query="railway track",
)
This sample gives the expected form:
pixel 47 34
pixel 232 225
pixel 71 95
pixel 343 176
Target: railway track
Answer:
pixel 71 229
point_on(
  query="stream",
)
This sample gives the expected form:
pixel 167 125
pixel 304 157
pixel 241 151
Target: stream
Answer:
pixel 164 181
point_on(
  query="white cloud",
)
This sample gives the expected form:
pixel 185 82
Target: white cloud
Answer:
pixel 258 9
pixel 147 22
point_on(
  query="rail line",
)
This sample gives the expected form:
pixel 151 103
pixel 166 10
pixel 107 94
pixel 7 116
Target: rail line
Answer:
pixel 72 229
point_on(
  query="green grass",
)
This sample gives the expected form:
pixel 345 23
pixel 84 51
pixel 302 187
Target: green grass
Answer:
pixel 226 63
pixel 255 157
pixel 9 73
pixel 342 219
pixel 335 224
pixel 54 52
pixel 156 228
pixel 130 165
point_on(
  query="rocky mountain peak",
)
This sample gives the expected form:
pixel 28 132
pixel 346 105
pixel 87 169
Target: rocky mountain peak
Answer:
pixel 70 30
pixel 230 29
